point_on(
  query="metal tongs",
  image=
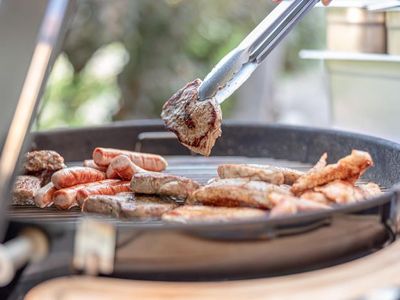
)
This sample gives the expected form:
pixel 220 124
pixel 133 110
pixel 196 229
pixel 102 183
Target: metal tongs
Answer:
pixel 237 66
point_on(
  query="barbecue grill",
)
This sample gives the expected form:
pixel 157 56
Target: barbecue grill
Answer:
pixel 155 251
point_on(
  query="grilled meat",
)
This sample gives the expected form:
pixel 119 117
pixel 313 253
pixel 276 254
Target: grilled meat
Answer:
pixel 163 184
pixel 315 197
pixel 343 192
pixel 289 175
pixel 349 168
pixel 25 188
pixel 44 196
pixel 209 214
pixel 370 189
pixel 43 164
pixel 91 164
pixel 289 205
pixel 320 164
pixel 105 187
pixel 252 172
pixel 122 167
pixel 128 205
pixel 237 192
pixel 76 175
pixel 36 161
pixel 147 161
pixel 196 124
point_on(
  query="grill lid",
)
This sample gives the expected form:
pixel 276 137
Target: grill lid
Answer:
pixel 25 60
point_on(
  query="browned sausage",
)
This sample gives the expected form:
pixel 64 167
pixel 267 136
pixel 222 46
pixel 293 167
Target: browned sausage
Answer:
pixel 76 175
pixel 124 168
pixel 150 162
pixel 44 196
pixel 110 173
pixel 66 198
pixel 91 164
pixel 105 188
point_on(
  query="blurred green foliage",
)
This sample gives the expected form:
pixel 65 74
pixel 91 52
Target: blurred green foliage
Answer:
pixel 159 45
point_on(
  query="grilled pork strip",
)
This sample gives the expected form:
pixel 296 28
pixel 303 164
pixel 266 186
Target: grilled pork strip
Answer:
pixel 44 196
pixel 252 172
pixel 289 205
pixel 237 192
pixel 349 168
pixel 128 205
pixel 197 124
pixel 289 175
pixel 147 161
pixel 105 187
pixel 25 188
pixel 76 175
pixel 207 214
pixel 91 164
pixel 163 184
pixel 122 167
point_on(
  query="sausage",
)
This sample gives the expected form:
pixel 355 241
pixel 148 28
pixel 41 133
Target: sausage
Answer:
pixel 66 198
pixel 150 162
pixel 91 164
pixel 76 175
pixel 110 173
pixel 44 196
pixel 103 188
pixel 124 167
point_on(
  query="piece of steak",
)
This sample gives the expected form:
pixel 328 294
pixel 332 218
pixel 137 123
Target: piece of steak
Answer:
pixel 207 214
pixel 128 205
pixel 154 183
pixel 237 192
pixel 250 172
pixel 197 124
pixel 25 189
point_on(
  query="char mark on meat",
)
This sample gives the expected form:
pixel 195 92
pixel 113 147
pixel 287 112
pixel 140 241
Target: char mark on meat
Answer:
pixel 197 124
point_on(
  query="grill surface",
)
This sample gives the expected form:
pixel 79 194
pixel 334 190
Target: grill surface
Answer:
pixel 198 168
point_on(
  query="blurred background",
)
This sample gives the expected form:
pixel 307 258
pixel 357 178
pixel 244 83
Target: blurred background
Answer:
pixel 123 59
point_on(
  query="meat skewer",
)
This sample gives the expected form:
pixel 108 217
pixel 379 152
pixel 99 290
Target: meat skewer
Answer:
pixel 150 162
pixel 76 175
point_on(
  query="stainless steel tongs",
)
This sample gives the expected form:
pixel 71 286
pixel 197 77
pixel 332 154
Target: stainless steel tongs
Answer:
pixel 237 66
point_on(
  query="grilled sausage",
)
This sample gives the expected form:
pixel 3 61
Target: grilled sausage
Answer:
pixel 91 164
pixel 106 187
pixel 44 196
pixel 150 162
pixel 66 198
pixel 76 175
pixel 123 167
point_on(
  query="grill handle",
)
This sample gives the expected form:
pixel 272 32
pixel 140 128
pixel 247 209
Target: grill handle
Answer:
pixel 30 246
